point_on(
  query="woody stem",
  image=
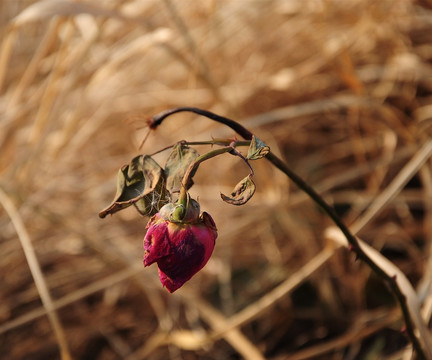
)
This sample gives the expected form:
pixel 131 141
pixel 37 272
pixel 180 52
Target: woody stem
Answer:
pixel 352 240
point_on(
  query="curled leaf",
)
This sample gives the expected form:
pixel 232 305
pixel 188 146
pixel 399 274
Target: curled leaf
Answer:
pixel 176 165
pixel 154 194
pixel 243 191
pixel 257 149
pixel 141 183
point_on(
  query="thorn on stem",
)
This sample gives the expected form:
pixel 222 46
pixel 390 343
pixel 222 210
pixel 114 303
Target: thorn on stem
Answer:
pixel 351 247
pixel 233 142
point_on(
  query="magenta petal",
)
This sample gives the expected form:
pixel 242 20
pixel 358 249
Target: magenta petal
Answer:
pixel 170 284
pixel 179 249
pixel 187 256
pixel 156 243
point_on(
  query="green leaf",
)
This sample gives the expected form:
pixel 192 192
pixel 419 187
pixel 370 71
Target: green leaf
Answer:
pixel 243 191
pixel 257 149
pixel 176 165
pixel 141 183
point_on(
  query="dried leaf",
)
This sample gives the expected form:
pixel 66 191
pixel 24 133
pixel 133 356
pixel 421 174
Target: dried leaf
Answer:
pixel 257 149
pixel 243 191
pixel 141 183
pixel 176 165
pixel 154 200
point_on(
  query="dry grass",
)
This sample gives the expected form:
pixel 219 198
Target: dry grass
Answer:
pixel 341 89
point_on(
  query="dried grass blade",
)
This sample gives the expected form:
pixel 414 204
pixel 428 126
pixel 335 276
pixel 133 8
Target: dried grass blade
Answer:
pixel 46 9
pixel 51 91
pixel 233 336
pixel 36 273
pixel 32 68
pixel 73 297
pixel 258 307
pixel 401 280
pixel 5 53
pixel 351 336
pixel 409 170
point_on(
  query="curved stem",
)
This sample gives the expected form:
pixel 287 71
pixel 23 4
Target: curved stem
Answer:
pixel 352 240
pixel 156 120
pixel 220 142
pixel 183 197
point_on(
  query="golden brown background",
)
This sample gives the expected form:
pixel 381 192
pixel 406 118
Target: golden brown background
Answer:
pixel 342 90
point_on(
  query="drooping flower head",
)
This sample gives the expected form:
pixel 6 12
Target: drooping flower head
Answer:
pixel 180 247
pixel 178 238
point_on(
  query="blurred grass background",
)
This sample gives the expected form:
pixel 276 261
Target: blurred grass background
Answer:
pixel 342 90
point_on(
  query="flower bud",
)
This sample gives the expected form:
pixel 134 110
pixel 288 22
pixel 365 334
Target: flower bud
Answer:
pixel 180 248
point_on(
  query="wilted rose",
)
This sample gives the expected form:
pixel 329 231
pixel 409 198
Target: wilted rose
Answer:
pixel 180 248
